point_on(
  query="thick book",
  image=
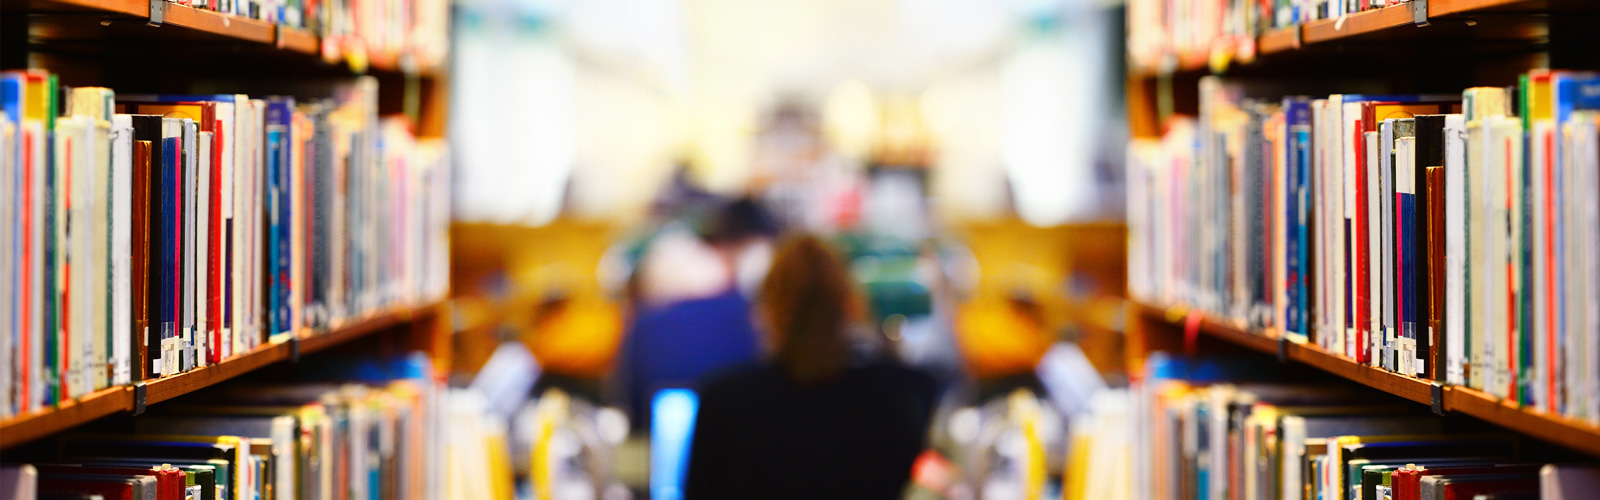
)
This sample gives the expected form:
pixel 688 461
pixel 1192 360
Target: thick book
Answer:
pixel 1457 336
pixel 279 152
pixel 171 239
pixel 1437 344
pixel 120 250
pixel 148 181
pixel 1405 194
pixel 1429 153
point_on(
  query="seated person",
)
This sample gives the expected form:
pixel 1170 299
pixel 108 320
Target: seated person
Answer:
pixel 809 422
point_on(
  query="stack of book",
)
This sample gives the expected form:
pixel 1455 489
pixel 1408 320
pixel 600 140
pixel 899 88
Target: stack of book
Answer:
pixel 145 236
pixel 1195 434
pixel 1160 31
pixel 1449 237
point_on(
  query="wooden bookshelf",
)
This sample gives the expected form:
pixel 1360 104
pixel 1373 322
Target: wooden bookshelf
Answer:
pixel 24 428
pixel 1580 436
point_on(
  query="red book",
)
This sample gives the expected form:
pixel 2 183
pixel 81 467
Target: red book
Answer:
pixel 1403 483
pixel 171 482
pixel 1362 293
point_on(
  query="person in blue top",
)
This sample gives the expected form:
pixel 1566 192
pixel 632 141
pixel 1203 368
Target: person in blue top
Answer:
pixel 674 342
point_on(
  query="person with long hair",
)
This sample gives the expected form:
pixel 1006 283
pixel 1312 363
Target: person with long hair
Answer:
pixel 811 421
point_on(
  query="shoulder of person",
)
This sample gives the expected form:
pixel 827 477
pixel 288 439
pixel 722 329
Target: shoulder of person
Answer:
pixel 736 378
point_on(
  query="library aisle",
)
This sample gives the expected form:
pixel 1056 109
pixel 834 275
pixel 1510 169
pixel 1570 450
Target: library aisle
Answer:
pixel 799 249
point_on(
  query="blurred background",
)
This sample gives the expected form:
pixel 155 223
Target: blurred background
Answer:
pixel 624 168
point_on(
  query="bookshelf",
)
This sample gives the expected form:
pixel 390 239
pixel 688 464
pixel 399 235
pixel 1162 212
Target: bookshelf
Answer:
pixel 155 46
pixel 421 325
pixel 1152 322
pixel 1419 46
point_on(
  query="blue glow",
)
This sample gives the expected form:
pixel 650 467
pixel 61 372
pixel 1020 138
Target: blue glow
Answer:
pixel 671 430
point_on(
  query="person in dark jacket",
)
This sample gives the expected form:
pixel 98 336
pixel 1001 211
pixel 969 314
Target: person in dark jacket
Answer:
pixel 809 422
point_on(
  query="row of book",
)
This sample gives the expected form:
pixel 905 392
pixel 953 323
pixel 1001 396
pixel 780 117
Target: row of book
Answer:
pixel 146 236
pixel 1163 31
pixel 392 432
pixel 1450 237
pixel 415 29
pixel 1196 430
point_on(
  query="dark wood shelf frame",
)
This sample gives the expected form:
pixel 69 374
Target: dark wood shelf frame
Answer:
pixel 28 427
pixel 1580 436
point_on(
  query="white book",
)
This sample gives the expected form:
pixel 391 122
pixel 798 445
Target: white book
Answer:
pixel 254 303
pixel 8 284
pixel 1588 189
pixel 1335 223
pixel 1386 187
pixel 99 279
pixel 36 167
pixel 1375 277
pixel 191 162
pixel 70 134
pixel 1571 289
pixel 1568 482
pixel 121 248
pixel 1476 279
pixel 1542 155
pixel 1350 148
pixel 202 246
pixel 1455 191
pixel 236 156
pixel 1506 146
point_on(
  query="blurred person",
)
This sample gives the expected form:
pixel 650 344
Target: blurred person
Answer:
pixel 692 317
pixel 811 421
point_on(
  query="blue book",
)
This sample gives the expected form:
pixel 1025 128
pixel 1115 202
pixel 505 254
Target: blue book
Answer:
pixel 280 112
pixel 1406 232
pixel 171 231
pixel 1574 91
pixel 1298 120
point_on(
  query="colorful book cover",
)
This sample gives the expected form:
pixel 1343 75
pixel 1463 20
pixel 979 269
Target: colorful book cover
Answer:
pixel 280 112
pixel 1298 134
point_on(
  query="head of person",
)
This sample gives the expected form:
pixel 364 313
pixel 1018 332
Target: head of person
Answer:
pixel 806 305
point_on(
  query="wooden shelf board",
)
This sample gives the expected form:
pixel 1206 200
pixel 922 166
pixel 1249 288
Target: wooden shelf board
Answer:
pixel 1325 30
pixel 297 40
pixel 1556 429
pixel 1447 7
pixel 220 24
pixel 127 7
pixel 1278 40
pixel 24 428
pixel 1411 388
